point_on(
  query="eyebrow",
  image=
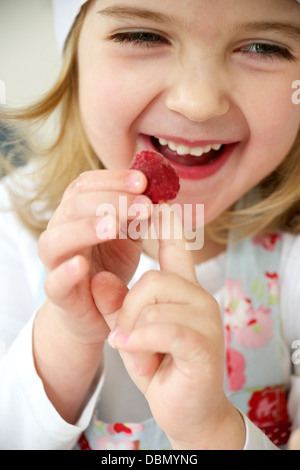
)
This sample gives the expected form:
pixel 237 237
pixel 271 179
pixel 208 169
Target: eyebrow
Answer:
pixel 119 11
pixel 287 29
pixel 127 12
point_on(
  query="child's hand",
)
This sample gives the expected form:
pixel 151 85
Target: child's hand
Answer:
pixel 69 330
pixel 170 335
pixel 72 252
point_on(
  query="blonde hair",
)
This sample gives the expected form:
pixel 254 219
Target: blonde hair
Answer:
pixel 274 204
pixel 56 164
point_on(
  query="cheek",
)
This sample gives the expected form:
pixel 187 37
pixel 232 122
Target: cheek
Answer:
pixel 113 92
pixel 101 105
pixel 109 103
pixel 105 116
pixel 275 123
pixel 111 108
pixel 110 111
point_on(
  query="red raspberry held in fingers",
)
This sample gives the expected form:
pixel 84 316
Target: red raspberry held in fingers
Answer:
pixel 163 180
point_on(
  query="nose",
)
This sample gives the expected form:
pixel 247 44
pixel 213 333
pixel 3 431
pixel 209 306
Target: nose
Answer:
pixel 199 95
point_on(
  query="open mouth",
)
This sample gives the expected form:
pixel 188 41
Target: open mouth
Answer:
pixel 195 162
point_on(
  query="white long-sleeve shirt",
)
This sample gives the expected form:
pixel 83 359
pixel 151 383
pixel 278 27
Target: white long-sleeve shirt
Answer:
pixel 28 419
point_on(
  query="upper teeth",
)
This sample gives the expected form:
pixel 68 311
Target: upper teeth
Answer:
pixel 185 150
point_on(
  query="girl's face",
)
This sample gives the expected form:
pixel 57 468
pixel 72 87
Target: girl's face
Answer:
pixel 207 83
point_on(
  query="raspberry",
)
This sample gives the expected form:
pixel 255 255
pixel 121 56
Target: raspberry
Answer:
pixel 163 180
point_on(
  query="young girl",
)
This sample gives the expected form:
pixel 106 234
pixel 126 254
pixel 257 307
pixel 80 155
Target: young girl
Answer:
pixel 200 343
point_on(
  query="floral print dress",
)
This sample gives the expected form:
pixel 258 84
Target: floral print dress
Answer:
pixel 254 379
pixel 254 352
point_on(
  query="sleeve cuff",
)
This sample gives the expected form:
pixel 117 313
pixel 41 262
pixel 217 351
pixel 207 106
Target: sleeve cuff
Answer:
pixel 255 438
pixel 42 427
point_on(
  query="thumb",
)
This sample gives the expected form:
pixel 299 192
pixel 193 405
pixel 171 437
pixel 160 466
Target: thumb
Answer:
pixel 109 293
pixel 174 255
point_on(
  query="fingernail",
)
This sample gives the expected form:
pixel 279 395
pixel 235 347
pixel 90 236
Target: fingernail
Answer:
pixel 117 339
pixel 134 180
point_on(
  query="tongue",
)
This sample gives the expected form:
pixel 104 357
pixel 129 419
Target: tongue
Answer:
pixel 188 160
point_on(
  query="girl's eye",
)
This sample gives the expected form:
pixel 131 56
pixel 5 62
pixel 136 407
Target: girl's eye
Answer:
pixel 140 38
pixel 265 51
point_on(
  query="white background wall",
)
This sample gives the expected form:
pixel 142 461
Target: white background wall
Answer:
pixel 29 60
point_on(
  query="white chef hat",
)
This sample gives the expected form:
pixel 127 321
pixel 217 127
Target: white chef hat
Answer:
pixel 65 12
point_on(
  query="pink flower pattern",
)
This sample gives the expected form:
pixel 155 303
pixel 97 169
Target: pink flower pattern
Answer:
pixel 257 331
pixel 236 366
pixel 251 327
pixel 108 443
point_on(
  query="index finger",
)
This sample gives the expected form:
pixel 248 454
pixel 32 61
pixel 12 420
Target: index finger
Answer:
pixel 131 181
pixel 174 256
